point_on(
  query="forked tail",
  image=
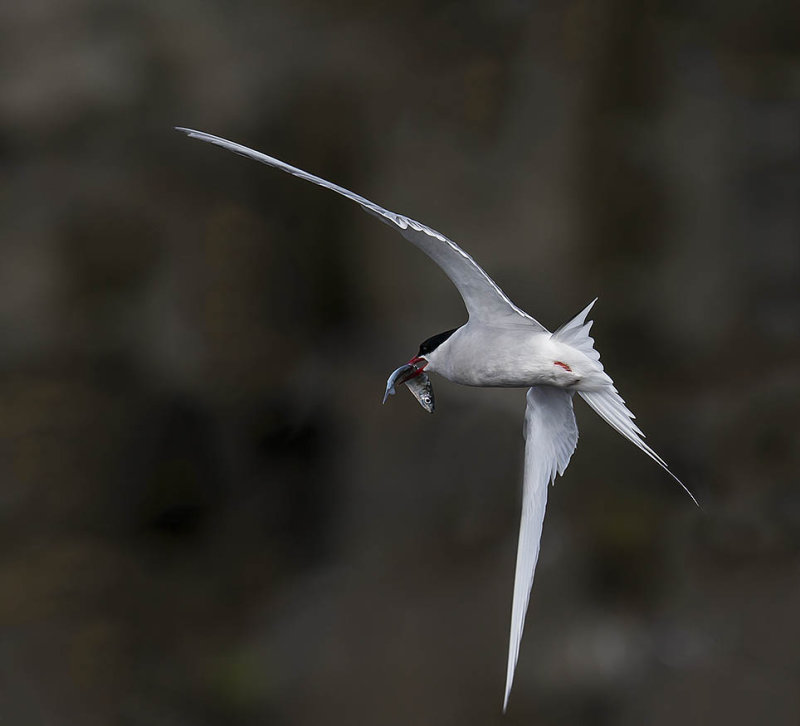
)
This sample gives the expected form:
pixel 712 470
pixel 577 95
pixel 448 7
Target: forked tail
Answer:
pixel 607 402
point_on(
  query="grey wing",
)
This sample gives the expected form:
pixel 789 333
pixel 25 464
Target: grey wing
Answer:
pixel 484 300
pixel 551 435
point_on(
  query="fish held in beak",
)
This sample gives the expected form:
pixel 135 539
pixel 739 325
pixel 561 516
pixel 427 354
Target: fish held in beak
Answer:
pixel 422 388
pixel 418 383
pixel 401 375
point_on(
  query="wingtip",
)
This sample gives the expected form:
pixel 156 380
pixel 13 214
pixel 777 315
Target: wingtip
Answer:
pixel 191 133
pixel 201 135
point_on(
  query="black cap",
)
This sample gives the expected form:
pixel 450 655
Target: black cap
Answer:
pixel 432 343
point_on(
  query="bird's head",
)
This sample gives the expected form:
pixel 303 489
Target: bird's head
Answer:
pixel 429 348
pixel 413 373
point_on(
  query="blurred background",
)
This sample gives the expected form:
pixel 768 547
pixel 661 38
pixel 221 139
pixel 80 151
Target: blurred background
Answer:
pixel 206 515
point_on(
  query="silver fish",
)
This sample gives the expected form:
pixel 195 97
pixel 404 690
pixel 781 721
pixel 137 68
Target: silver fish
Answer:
pixel 418 383
pixel 401 375
pixel 422 388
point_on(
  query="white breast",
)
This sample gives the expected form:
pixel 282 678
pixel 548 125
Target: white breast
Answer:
pixel 479 355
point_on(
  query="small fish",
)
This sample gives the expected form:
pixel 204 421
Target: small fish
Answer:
pixel 418 383
pixel 422 388
pixel 401 375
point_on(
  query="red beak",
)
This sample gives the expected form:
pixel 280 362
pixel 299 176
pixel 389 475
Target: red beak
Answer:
pixel 415 361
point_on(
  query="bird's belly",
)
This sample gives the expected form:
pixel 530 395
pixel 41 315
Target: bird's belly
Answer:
pixel 506 368
pixel 504 376
pixel 506 358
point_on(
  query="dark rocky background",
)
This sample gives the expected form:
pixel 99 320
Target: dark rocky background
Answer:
pixel 206 515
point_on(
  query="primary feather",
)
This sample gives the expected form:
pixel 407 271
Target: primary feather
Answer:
pixel 482 296
pixel 551 436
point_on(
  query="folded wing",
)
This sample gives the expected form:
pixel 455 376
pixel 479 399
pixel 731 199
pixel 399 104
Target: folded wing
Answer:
pixel 551 435
pixel 484 300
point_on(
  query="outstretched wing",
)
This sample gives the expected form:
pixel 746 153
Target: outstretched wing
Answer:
pixel 484 300
pixel 551 435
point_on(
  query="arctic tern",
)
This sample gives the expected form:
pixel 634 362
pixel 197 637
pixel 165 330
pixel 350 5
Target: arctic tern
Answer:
pixel 502 346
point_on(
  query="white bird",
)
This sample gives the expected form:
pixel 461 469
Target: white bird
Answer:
pixel 502 346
